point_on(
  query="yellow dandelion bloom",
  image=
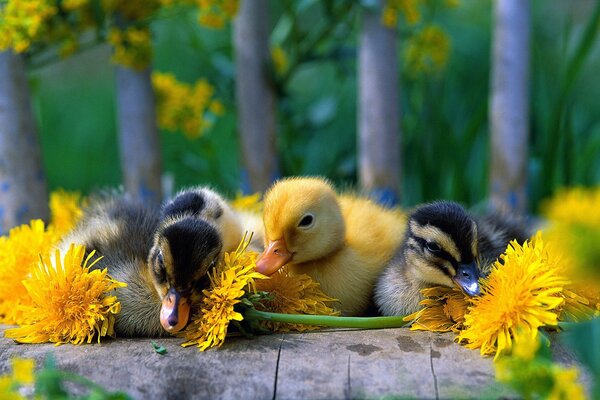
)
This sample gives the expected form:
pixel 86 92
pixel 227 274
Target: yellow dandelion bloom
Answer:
pixel 443 310
pixel 217 108
pixel 19 253
pixel 229 281
pixel 251 203
pixel 522 292
pixel 65 210
pixel 297 294
pixel 132 46
pixel 70 303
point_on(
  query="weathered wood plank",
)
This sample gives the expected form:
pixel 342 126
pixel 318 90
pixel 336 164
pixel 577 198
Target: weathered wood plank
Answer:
pixel 334 364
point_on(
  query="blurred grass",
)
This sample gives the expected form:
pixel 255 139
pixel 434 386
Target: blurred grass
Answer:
pixel 445 145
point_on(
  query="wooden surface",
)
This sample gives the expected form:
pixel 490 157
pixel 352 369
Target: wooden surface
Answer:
pixel 336 364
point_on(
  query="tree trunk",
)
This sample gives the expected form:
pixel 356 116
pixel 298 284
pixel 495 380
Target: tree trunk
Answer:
pixel 138 135
pixel 378 110
pixel 23 192
pixel 509 114
pixel 255 95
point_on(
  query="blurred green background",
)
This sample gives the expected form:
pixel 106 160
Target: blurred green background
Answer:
pixel 444 114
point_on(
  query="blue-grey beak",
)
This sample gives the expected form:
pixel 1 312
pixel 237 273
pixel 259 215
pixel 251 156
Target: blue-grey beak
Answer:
pixel 467 278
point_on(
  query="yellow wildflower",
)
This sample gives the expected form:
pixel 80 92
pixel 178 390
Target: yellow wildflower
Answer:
pixel 574 218
pixel 22 374
pixel 215 13
pixel 534 375
pixel 229 281
pixel 522 292
pixel 443 310
pixel 280 60
pixel 566 385
pixel 183 107
pixel 70 303
pixel 23 370
pixel 409 8
pixel 251 203
pixel 65 210
pixel 22 22
pixel 217 108
pixel 132 46
pixel 428 50
pixel 297 294
pixel 19 253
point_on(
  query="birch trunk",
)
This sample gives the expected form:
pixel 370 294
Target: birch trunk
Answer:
pixel 509 113
pixel 378 110
pixel 254 94
pixel 138 135
pixel 23 192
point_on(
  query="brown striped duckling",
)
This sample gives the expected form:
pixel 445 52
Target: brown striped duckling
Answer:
pixel 443 245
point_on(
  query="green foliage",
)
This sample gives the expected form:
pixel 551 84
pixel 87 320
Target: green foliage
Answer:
pixel 158 348
pixel 444 123
pixel 50 384
pixel 584 339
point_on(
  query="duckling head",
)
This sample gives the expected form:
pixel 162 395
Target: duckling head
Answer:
pixel 184 249
pixel 441 247
pixel 204 203
pixel 303 222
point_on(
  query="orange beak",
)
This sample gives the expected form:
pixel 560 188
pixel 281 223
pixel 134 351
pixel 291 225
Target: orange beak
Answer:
pixel 175 311
pixel 275 256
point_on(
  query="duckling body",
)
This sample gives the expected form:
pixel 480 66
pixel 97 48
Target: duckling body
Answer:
pixel 443 245
pixel 122 231
pixel 162 257
pixel 341 241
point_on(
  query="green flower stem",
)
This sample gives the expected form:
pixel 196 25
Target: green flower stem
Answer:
pixel 327 320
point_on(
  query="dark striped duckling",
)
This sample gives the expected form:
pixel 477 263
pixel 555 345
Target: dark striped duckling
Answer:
pixel 443 245
pixel 127 235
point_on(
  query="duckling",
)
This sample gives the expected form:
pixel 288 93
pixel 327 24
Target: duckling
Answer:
pixel 203 202
pixel 443 245
pixel 163 261
pixel 341 241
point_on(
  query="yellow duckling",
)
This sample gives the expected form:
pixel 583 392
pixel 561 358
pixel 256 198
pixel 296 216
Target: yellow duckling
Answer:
pixel 341 241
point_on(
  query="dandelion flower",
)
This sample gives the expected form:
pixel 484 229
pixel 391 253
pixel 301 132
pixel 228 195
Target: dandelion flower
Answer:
pixel 522 292
pixel 297 294
pixel 443 310
pixel 229 282
pixel 70 303
pixel 19 253
pixel 65 210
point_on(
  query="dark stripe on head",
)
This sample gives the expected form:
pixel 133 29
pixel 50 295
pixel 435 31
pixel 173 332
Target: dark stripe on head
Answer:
pixel 194 243
pixel 453 220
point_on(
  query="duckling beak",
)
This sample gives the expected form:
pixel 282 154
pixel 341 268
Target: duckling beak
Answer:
pixel 467 278
pixel 175 311
pixel 275 256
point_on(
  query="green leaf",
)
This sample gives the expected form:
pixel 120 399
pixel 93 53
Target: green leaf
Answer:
pixel 584 339
pixel 157 348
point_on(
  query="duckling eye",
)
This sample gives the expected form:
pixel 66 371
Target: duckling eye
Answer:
pixel 306 221
pixel 432 247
